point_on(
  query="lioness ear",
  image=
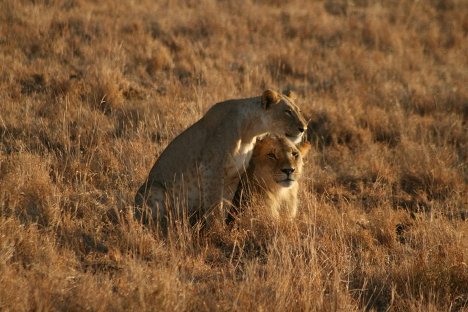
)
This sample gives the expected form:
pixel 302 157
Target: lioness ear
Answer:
pixel 290 94
pixel 303 148
pixel 270 97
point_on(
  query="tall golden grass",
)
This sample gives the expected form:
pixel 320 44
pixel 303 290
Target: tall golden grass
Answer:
pixel 91 92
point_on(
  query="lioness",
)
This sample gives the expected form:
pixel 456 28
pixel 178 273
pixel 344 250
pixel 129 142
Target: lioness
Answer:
pixel 271 180
pixel 202 166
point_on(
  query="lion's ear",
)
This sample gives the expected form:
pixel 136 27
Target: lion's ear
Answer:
pixel 290 94
pixel 303 148
pixel 270 97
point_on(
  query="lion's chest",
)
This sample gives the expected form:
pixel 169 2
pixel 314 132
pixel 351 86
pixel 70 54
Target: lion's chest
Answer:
pixel 241 156
pixel 237 163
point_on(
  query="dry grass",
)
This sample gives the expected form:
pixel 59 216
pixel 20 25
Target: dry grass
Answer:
pixel 92 91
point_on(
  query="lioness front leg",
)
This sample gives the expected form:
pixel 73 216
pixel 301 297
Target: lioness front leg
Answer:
pixel 213 199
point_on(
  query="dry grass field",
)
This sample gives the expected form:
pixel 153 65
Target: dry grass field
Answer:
pixel 91 92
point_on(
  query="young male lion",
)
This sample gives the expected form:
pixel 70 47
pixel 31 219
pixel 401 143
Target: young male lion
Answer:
pixel 271 180
pixel 203 165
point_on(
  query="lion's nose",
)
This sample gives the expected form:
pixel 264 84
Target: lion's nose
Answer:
pixel 301 129
pixel 288 171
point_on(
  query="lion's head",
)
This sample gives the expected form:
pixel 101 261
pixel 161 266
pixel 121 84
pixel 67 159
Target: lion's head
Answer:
pixel 278 162
pixel 285 115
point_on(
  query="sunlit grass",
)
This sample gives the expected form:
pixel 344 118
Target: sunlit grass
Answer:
pixel 92 92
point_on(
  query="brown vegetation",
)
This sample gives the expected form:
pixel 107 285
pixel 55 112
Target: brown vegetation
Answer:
pixel 92 91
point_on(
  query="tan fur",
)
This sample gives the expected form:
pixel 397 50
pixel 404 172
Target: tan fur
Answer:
pixel 266 184
pixel 202 166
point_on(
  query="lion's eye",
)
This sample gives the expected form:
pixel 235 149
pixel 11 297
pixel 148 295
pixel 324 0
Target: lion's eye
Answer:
pixel 271 156
pixel 295 154
pixel 288 112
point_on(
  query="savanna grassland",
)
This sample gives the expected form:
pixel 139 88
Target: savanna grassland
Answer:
pixel 91 92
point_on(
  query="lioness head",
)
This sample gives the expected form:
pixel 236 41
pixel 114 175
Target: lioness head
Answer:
pixel 284 115
pixel 277 161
